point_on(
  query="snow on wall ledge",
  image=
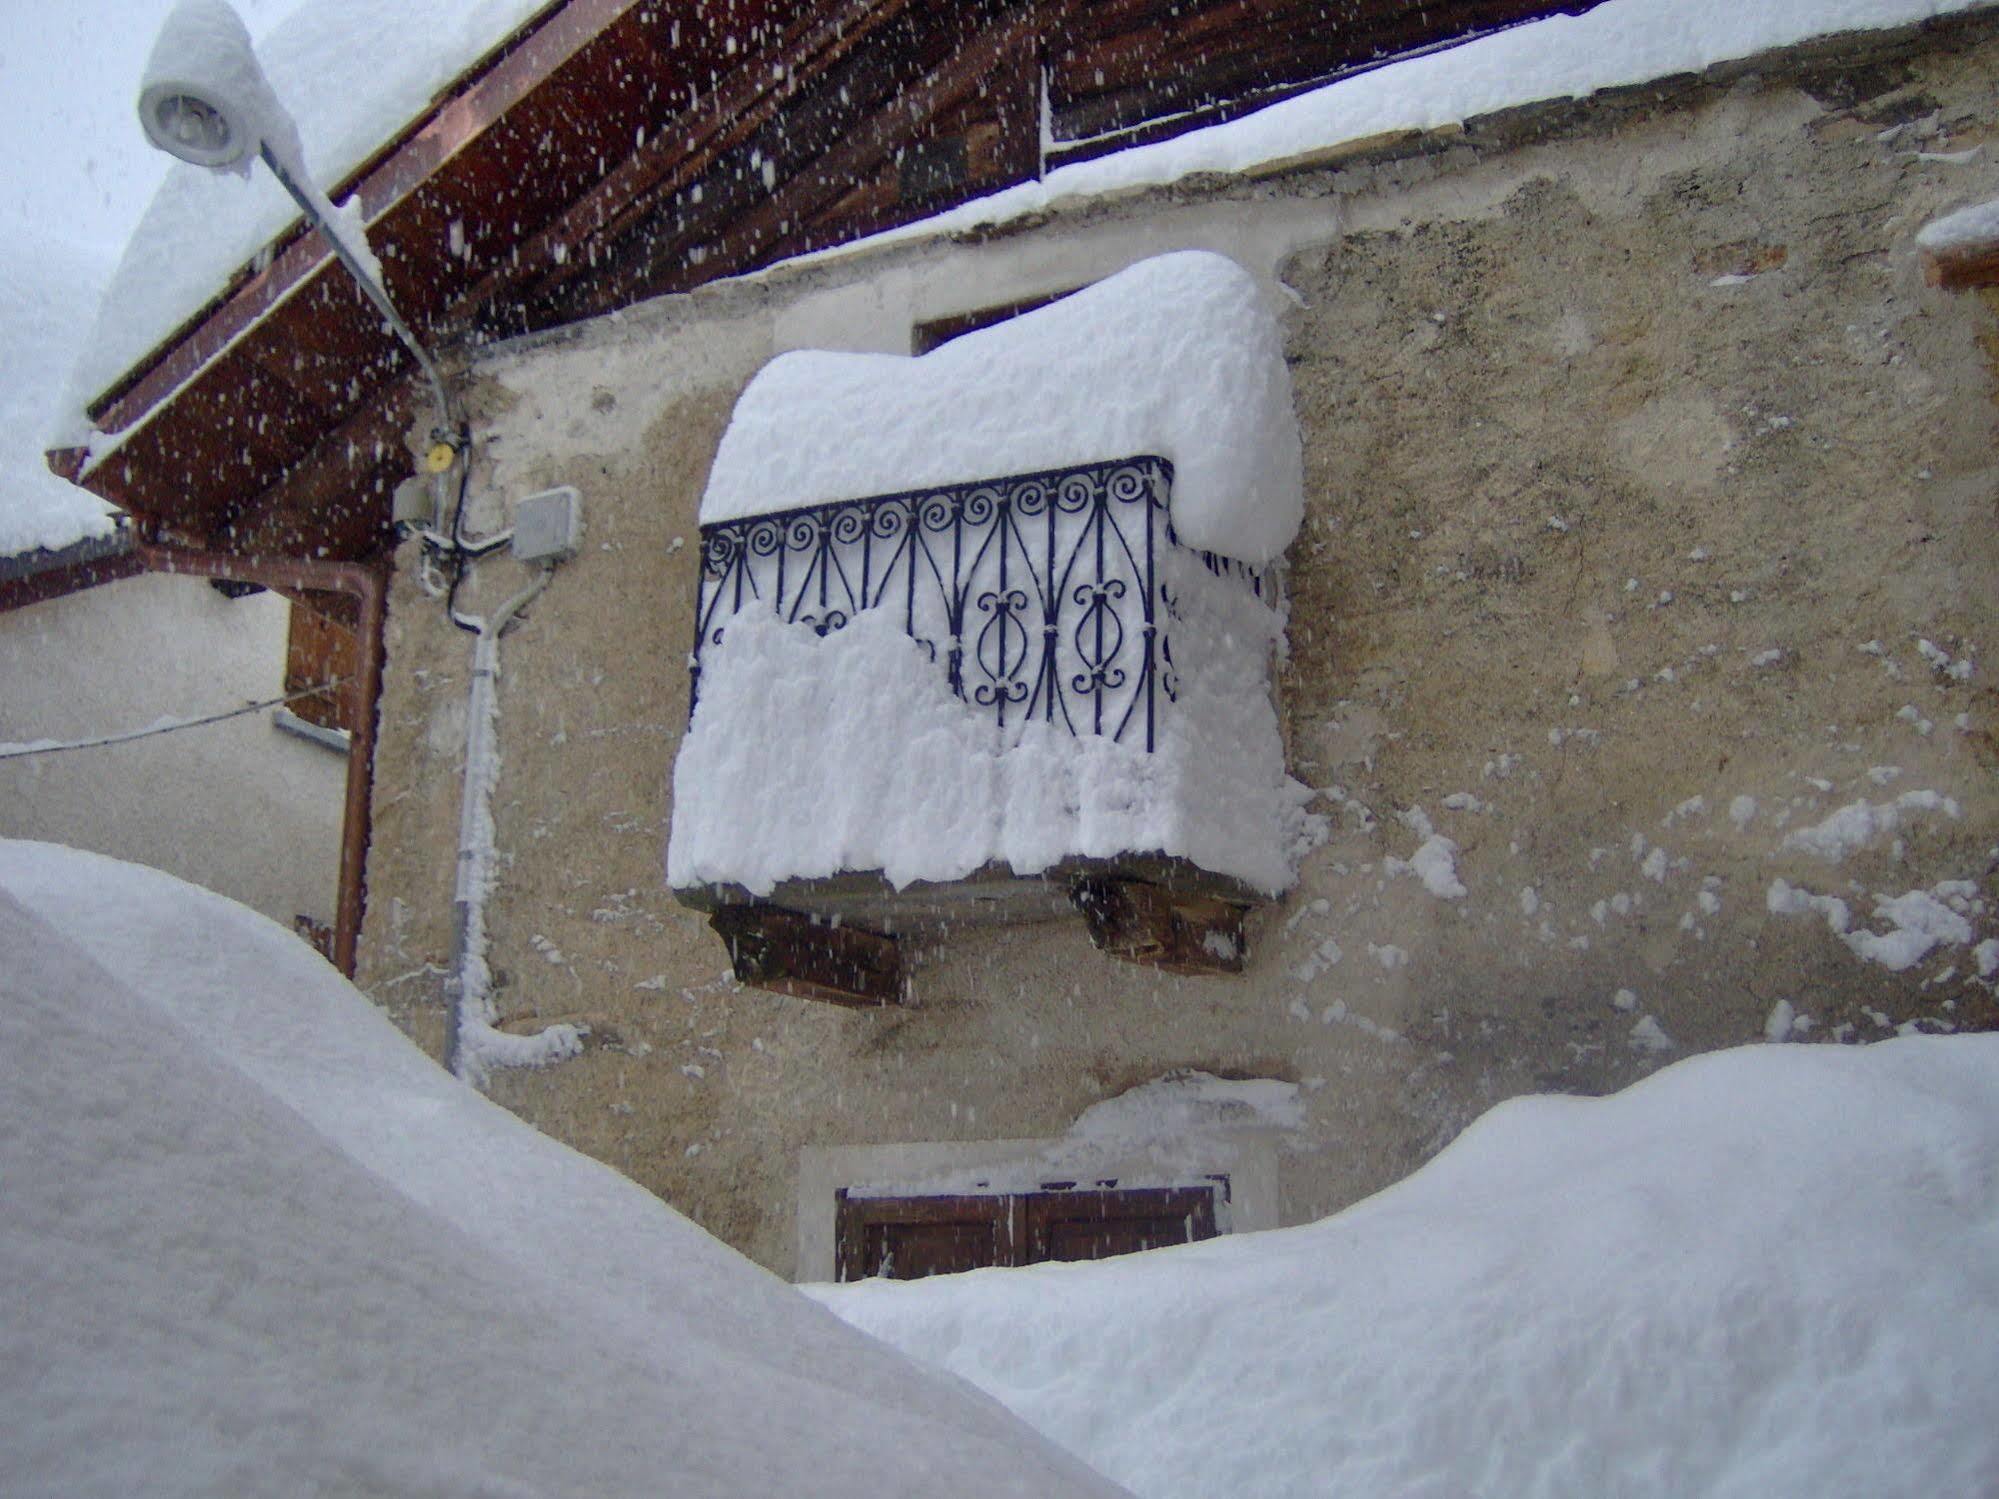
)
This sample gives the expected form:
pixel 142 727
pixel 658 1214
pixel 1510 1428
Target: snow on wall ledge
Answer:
pixel 811 756
pixel 1177 355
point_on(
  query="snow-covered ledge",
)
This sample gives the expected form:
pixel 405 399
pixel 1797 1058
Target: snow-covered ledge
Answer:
pixel 1003 613
pixel 1961 250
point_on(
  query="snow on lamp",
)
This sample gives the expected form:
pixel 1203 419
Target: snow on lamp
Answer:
pixel 204 99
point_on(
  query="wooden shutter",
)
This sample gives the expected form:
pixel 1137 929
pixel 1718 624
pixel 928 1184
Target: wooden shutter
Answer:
pixel 909 1238
pixel 1097 1225
pixel 321 649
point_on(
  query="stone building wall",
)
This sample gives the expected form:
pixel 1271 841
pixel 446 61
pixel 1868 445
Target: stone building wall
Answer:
pixel 1639 462
pixel 238 806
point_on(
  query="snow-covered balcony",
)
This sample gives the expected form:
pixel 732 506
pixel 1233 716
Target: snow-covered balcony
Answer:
pixel 986 635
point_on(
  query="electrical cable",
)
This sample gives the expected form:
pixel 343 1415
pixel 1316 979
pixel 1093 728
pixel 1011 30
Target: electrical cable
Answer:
pixel 45 747
pixel 460 555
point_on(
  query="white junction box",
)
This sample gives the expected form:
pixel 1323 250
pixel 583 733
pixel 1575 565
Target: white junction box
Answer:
pixel 548 526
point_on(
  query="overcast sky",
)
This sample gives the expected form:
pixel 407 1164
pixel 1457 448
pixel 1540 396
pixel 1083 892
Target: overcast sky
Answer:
pixel 78 175
pixel 69 73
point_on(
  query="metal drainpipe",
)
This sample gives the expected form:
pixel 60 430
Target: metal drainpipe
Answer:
pixel 369 586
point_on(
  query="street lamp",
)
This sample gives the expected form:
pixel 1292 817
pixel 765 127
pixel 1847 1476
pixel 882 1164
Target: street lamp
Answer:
pixel 204 99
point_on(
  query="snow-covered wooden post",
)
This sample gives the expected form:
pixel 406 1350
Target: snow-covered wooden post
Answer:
pixel 986 634
pixel 1961 250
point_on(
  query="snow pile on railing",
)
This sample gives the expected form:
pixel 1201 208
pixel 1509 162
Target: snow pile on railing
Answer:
pixel 1177 356
pixel 815 754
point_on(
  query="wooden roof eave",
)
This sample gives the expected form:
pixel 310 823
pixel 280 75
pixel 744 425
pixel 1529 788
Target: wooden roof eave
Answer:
pixel 412 158
pixel 206 352
pixel 245 423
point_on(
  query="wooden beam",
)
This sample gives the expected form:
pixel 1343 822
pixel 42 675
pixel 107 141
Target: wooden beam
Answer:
pixel 791 954
pixel 1202 64
pixel 837 102
pixel 336 502
pixel 55 582
pixel 1969 265
pixel 1160 928
pixel 968 68
pixel 682 150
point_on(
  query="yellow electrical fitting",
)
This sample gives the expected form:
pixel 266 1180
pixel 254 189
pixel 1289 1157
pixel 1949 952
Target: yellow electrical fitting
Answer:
pixel 440 457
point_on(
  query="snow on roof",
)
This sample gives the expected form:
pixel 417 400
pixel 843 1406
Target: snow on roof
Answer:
pixel 1619 42
pixel 354 71
pixel 45 286
pixel 1766 1271
pixel 1177 356
pixel 351 73
pixel 256 1242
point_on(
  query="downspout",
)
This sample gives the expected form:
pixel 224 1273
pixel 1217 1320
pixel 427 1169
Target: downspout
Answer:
pixel 369 587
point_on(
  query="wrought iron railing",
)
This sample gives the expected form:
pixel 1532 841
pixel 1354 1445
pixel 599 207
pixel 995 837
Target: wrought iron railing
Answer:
pixel 1043 596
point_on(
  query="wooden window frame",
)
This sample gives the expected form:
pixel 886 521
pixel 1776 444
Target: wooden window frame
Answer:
pixel 1025 1227
pixel 934 333
pixel 320 648
pixel 1246 1159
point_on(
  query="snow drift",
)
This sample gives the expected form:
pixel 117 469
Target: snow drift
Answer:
pixel 1771 1271
pixel 255 1242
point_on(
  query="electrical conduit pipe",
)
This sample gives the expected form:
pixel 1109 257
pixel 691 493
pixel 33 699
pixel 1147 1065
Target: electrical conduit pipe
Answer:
pixel 473 1045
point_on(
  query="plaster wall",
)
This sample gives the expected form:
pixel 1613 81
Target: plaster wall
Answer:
pixel 1629 426
pixel 238 806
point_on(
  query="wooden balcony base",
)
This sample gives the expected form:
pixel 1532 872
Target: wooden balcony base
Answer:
pixel 772 948
pixel 1161 928
pixel 836 939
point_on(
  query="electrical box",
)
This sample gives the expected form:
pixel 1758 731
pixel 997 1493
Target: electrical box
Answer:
pixel 415 502
pixel 548 527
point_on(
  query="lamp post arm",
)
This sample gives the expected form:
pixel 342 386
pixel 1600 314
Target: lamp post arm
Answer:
pixel 320 212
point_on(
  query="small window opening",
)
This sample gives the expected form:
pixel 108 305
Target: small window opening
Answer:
pixel 939 331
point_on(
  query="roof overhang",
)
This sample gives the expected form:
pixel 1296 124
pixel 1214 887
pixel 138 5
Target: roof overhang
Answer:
pixel 616 150
pixel 36 576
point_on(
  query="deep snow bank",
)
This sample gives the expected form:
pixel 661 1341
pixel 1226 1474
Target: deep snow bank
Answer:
pixel 253 1241
pixel 1761 1272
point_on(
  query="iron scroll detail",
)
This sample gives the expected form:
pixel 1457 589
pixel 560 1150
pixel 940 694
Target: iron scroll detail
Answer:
pixel 1040 595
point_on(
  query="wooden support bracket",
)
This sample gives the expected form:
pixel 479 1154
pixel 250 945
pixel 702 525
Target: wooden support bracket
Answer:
pixel 1966 266
pixel 1160 928
pixel 787 953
